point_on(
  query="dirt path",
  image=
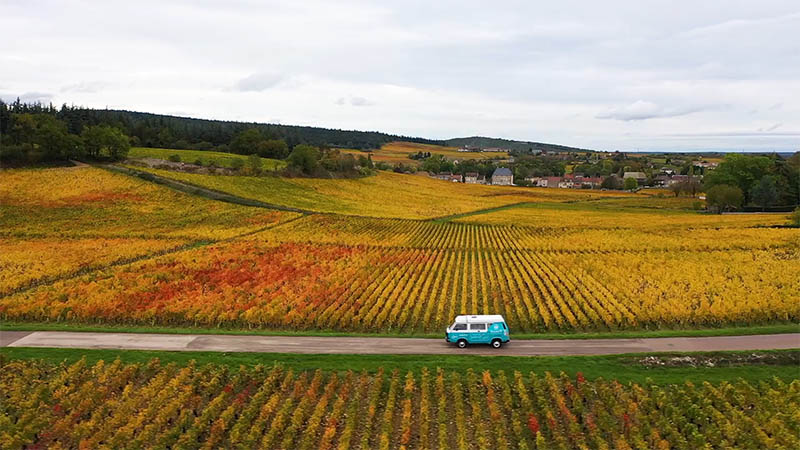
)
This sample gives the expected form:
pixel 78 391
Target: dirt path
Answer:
pixel 397 346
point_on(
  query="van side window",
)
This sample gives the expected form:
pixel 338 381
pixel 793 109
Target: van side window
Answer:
pixel 477 326
pixel 460 327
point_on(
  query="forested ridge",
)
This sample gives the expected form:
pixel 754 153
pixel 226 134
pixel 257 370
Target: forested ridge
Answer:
pixel 158 130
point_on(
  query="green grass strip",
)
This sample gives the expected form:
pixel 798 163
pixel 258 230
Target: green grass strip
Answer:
pixel 625 368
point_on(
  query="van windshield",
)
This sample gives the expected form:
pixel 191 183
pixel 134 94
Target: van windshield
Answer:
pixel 459 327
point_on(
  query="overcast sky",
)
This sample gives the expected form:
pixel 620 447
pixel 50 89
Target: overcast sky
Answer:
pixel 627 75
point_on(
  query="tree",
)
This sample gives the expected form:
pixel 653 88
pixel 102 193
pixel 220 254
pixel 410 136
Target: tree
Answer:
pixel 765 192
pixel 611 182
pixel 53 140
pixel 254 163
pixel 743 171
pixel 630 184
pixel 272 148
pixel 247 141
pixel 304 158
pixel 23 129
pixel 676 188
pixel 103 140
pixel 794 218
pixel 724 197
pixel 237 163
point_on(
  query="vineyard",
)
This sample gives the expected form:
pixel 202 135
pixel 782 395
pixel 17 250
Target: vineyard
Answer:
pixel 113 405
pixel 25 261
pixel 333 229
pixel 253 283
pixel 90 246
pixel 606 214
pixel 93 202
pixel 386 194
pixel 398 152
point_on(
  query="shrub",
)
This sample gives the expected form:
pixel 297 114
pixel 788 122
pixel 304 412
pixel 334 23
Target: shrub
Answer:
pixel 237 163
pixel 724 197
pixel 794 218
pixel 174 158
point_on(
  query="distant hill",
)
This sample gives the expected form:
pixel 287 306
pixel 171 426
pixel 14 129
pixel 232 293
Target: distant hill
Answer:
pixel 165 131
pixel 518 146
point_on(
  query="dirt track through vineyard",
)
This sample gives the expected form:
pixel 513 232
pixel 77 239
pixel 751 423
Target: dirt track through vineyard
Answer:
pixel 396 346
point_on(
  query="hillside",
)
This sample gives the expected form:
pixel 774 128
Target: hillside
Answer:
pixel 84 245
pixel 166 131
pixel 519 146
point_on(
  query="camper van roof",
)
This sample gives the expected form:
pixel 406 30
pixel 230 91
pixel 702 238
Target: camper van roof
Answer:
pixel 480 319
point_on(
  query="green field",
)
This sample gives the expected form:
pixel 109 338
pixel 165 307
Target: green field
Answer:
pixel 205 157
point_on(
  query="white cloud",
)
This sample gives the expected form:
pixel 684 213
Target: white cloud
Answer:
pixel 28 97
pixel 258 82
pixel 85 87
pixel 609 75
pixel 643 110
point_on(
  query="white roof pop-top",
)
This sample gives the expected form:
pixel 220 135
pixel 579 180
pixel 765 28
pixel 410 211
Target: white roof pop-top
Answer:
pixel 480 319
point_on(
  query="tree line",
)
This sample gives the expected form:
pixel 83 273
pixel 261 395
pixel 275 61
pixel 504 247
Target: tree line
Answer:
pixel 753 181
pixel 163 131
pixel 43 138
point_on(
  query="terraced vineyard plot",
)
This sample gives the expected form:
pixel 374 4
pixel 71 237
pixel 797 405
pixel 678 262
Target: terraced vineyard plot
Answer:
pixel 249 283
pixel 92 202
pixel 131 405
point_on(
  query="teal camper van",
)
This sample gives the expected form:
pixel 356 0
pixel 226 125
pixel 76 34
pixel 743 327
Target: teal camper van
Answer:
pixel 466 330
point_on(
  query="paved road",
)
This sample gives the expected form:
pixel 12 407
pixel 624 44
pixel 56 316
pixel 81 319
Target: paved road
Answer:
pixel 377 345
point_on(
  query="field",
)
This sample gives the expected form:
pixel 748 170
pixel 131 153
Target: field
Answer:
pixel 376 196
pixel 114 404
pixel 293 286
pixel 58 223
pixel 397 152
pixel 88 246
pixel 616 214
pixel 205 157
pixel 388 254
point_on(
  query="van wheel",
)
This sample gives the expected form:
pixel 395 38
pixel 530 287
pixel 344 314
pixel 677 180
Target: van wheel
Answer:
pixel 497 343
pixel 462 343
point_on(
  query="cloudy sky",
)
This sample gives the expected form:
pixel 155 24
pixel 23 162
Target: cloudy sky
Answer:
pixel 654 75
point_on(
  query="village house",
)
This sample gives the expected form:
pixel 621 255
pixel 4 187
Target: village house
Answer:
pixel 705 164
pixel 471 178
pixel 640 177
pixel 456 178
pixel 502 176
pixel 568 181
pixel 549 182
pixel 444 176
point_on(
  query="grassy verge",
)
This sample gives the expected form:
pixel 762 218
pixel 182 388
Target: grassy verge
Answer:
pixel 625 368
pixel 700 332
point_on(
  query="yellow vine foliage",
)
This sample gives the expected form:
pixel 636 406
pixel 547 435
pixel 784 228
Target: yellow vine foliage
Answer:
pixel 153 405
